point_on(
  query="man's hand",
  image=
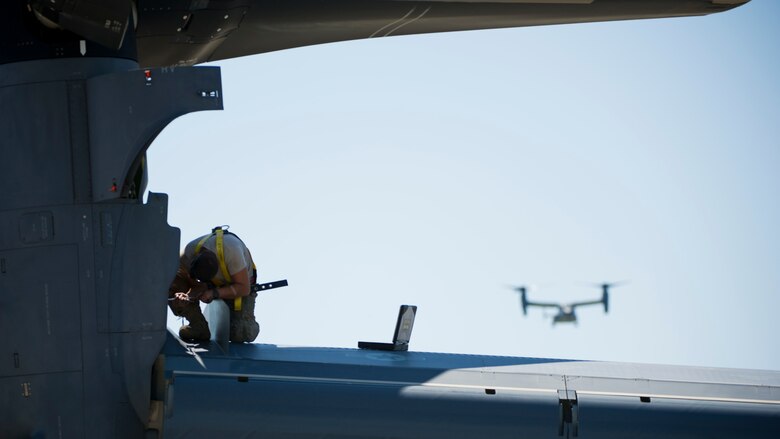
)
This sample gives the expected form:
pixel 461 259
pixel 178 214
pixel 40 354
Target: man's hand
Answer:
pixel 182 296
pixel 199 291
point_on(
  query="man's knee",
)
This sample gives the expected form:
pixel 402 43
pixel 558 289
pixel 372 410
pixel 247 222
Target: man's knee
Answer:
pixel 244 331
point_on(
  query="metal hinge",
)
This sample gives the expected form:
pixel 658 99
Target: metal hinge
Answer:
pixel 569 421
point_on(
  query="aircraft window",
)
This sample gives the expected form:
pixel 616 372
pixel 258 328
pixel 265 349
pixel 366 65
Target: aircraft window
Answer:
pixel 644 398
pixel 490 391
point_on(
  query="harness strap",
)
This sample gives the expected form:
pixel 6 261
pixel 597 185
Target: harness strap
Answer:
pixel 200 244
pixel 221 255
pixel 223 267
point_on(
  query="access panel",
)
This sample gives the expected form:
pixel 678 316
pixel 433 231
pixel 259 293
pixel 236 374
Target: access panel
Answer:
pixel 41 318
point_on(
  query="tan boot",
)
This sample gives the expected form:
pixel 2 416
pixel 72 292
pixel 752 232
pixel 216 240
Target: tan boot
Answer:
pixel 198 327
pixel 195 332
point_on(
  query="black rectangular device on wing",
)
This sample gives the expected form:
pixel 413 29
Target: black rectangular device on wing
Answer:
pixel 402 334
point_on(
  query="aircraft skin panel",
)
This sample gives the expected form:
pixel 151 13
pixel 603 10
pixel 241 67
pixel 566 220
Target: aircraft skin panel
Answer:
pixel 37 412
pixel 209 31
pixel 624 417
pixel 282 409
pixel 292 392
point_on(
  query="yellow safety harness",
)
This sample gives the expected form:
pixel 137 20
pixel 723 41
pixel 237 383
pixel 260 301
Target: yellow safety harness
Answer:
pixel 219 232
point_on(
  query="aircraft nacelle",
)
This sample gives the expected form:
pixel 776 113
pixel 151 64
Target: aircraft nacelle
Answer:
pixel 85 264
pixel 523 300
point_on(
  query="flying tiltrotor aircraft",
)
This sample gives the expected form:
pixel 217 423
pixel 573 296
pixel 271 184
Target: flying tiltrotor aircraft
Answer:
pixel 566 312
pixel 85 263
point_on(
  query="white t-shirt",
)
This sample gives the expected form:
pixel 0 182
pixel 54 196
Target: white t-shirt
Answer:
pixel 237 256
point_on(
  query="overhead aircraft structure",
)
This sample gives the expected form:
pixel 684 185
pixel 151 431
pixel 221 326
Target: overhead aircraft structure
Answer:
pixel 85 262
pixel 566 312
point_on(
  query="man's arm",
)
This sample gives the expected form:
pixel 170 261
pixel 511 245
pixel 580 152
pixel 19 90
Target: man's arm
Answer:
pixel 238 288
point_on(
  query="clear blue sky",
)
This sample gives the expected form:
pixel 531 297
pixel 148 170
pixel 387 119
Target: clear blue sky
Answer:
pixel 435 170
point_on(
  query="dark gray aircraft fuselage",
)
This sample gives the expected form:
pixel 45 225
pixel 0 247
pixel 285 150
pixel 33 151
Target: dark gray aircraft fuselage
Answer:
pixel 85 264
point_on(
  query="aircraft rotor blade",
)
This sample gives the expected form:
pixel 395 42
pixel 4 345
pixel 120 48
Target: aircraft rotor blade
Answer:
pixel 260 26
pixel 605 284
pixel 613 284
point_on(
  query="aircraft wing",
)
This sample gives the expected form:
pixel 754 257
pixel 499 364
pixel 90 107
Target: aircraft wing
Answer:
pixel 306 393
pixel 590 302
pixel 187 33
pixel 542 304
